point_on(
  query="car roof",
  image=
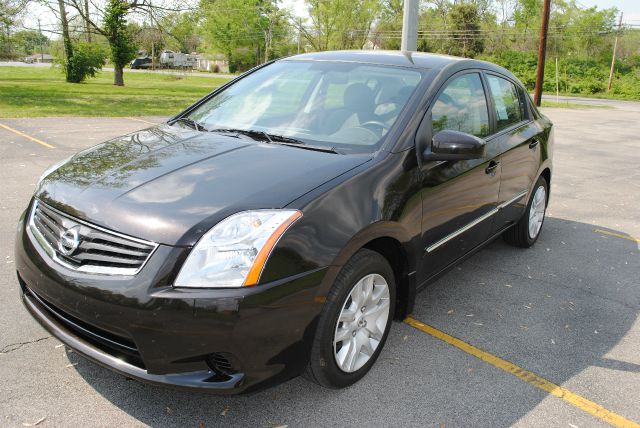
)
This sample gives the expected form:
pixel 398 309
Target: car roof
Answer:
pixel 418 60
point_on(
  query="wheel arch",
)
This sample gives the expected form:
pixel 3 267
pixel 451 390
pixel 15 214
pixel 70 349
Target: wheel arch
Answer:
pixel 544 171
pixel 392 250
pixel 394 243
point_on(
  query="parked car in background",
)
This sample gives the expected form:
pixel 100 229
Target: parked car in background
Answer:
pixel 141 63
pixel 279 225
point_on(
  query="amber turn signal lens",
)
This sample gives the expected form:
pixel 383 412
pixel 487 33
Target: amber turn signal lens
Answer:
pixel 256 269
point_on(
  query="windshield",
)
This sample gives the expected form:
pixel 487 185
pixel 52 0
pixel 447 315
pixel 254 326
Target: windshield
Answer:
pixel 346 106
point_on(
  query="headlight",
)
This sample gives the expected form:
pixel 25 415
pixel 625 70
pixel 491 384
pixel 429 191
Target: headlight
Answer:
pixel 233 252
pixel 51 169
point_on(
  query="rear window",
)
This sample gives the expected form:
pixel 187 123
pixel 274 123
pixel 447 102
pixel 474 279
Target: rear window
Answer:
pixel 507 101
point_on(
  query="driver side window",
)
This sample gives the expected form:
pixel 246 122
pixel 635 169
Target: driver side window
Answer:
pixel 462 106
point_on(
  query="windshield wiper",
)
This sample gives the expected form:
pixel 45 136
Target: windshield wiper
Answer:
pixel 278 139
pixel 249 132
pixel 192 123
pixel 293 142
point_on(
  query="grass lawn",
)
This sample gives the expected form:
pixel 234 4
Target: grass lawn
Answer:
pixel 34 92
pixel 561 104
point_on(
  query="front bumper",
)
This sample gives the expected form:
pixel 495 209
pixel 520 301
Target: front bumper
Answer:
pixel 226 341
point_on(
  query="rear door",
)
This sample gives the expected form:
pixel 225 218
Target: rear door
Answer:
pixel 458 197
pixel 516 140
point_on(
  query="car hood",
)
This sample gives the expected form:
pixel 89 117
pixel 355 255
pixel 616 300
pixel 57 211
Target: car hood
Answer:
pixel 170 185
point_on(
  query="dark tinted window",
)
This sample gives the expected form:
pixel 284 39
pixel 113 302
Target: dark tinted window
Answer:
pixel 462 107
pixel 507 100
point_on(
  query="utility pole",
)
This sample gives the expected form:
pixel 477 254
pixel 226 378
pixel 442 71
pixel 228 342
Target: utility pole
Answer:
pixel 542 52
pixel 410 26
pixel 613 59
pixel 40 40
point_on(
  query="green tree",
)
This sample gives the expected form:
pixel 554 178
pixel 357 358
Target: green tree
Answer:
pixel 245 31
pixel 119 37
pixel 582 31
pixel 340 24
pixel 388 23
pixel 10 11
pixel 526 21
pixel 466 40
pixel 113 26
pixel 68 46
pixel 28 42
pixel 183 31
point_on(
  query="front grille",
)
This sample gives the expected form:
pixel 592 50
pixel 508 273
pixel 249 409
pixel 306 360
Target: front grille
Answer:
pixel 85 247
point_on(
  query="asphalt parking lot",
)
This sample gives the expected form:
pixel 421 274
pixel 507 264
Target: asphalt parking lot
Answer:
pixel 564 312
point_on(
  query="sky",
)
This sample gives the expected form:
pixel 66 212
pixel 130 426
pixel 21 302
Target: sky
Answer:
pixel 630 8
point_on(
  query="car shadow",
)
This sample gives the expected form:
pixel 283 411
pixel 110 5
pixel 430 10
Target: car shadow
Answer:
pixel 556 309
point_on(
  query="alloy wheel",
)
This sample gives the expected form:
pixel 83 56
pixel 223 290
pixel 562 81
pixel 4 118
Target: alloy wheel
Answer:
pixel 361 323
pixel 536 211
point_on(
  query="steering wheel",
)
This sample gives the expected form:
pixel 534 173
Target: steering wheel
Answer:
pixel 377 123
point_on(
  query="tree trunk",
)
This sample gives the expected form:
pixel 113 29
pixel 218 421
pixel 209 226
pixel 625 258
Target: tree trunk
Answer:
pixel 87 26
pixel 118 75
pixel 267 44
pixel 66 38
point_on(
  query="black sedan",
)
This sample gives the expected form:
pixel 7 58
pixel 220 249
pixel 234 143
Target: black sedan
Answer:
pixel 279 225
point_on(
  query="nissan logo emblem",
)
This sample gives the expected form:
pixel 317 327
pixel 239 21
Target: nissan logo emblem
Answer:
pixel 69 241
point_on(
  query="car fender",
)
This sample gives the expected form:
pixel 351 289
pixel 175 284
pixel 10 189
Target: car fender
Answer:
pixel 377 230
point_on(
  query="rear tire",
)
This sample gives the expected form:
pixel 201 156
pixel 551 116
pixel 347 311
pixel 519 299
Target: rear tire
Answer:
pixel 355 321
pixel 527 230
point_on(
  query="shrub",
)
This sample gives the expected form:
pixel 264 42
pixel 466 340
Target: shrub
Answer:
pixel 86 61
pixel 521 64
pixel 242 59
pixel 627 86
pixel 584 75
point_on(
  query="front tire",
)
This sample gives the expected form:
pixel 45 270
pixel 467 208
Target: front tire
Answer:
pixel 355 321
pixel 527 230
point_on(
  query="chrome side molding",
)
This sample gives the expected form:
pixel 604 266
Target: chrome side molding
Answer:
pixel 512 200
pixel 475 222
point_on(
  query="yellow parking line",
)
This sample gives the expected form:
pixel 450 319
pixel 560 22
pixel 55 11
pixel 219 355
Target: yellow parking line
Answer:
pixel 529 377
pixel 618 235
pixel 29 137
pixel 141 120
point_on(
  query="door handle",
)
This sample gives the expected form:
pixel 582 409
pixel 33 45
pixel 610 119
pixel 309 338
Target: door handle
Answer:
pixel 491 168
pixel 534 143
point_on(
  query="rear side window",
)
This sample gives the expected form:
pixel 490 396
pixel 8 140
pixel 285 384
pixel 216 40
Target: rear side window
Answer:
pixel 462 107
pixel 509 106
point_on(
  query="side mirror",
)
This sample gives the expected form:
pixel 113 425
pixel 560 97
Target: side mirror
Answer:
pixel 448 145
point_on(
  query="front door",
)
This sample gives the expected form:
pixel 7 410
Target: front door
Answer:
pixel 459 198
